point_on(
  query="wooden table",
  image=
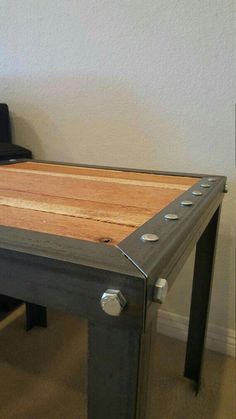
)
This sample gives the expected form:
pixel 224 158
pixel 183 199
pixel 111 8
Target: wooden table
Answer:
pixel 103 243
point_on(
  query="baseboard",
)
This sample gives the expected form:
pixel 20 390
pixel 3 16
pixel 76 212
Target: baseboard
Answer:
pixel 218 339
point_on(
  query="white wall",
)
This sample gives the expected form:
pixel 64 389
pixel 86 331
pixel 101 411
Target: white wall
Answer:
pixel 134 83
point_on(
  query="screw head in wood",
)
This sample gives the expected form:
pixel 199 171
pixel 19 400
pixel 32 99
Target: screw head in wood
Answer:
pixel 205 185
pixel 171 217
pixel 197 193
pixel 113 302
pixel 105 240
pixel 149 237
pixel 187 203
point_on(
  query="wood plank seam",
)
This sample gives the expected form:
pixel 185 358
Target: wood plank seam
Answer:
pixel 41 207
pixel 108 172
pixel 100 179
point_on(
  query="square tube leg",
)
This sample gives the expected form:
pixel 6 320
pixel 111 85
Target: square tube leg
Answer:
pixel 118 372
pixel 35 316
pixel 201 292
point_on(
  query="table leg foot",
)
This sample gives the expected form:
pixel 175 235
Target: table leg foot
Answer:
pixel 35 316
pixel 201 291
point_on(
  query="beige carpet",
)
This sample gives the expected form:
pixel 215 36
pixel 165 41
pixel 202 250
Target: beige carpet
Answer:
pixel 43 375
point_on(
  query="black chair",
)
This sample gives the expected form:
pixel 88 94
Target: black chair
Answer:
pixel 9 151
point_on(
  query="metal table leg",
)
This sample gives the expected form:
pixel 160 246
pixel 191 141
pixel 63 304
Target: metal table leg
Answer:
pixel 35 316
pixel 201 291
pixel 118 372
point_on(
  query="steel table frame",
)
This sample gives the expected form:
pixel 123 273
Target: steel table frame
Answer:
pixel 70 275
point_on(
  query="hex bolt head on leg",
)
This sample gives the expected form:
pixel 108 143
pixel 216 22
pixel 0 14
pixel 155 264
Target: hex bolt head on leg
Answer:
pixel 113 302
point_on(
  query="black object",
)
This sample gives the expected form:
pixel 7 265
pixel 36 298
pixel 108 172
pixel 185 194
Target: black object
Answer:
pixel 8 150
pixel 13 151
pixel 71 275
pixel 5 126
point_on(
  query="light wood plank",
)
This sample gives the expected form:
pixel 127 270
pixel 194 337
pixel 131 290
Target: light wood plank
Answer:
pixel 116 214
pixel 103 179
pixel 110 193
pixel 61 225
pixel 179 181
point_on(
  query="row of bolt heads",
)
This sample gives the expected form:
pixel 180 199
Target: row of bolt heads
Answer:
pixel 113 301
pixel 150 237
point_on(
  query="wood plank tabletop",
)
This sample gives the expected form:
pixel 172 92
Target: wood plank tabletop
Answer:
pixel 91 204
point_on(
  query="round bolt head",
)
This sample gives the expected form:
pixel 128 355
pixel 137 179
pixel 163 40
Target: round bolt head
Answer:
pixel 113 302
pixel 205 185
pixel 160 290
pixel 149 237
pixel 12 160
pixel 212 179
pixel 226 188
pixel 197 193
pixel 187 203
pixel 171 217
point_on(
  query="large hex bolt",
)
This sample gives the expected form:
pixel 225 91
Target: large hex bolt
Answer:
pixel 160 290
pixel 113 302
